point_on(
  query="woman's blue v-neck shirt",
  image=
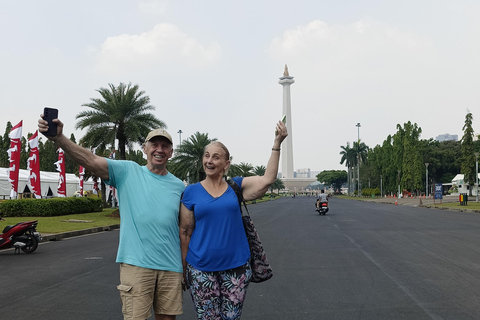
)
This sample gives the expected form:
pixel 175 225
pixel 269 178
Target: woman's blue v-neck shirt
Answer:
pixel 218 241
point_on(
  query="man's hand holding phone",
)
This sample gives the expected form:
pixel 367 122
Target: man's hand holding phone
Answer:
pixel 49 114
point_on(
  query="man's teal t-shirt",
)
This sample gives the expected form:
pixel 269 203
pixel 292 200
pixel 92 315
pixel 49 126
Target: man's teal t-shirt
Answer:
pixel 149 210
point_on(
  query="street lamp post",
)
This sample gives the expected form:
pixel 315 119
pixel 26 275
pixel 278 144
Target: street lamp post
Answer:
pixel 476 174
pixel 180 134
pixel 358 158
pixel 426 180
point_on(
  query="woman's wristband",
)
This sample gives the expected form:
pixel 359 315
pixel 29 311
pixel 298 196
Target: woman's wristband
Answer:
pixel 275 149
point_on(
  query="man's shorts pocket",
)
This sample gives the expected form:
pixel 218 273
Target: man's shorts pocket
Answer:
pixel 126 298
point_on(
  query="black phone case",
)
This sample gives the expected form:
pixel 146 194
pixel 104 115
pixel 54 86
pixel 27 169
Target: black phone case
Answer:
pixel 49 114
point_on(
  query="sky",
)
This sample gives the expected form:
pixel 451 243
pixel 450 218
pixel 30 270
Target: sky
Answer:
pixel 213 67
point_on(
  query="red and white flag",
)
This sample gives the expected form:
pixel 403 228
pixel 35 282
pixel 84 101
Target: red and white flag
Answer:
pixel 33 166
pixel 60 164
pixel 81 173
pixel 15 136
pixel 95 185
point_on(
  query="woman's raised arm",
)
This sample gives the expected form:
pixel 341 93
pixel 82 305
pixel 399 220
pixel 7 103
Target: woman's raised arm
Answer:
pixel 256 186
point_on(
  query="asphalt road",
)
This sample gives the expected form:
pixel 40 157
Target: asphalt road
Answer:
pixel 361 261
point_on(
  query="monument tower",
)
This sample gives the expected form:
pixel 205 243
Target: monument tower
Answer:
pixel 287 146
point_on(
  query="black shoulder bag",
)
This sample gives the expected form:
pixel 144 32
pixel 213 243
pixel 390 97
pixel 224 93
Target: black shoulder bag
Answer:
pixel 261 269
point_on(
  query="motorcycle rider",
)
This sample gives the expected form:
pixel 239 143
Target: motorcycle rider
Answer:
pixel 322 197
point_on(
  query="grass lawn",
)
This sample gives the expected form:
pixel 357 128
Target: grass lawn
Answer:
pixel 472 205
pixel 266 197
pixel 59 224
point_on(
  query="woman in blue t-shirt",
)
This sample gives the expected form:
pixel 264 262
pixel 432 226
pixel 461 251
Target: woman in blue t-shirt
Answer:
pixel 215 251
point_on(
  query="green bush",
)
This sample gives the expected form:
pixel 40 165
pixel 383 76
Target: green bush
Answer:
pixel 49 207
pixel 369 192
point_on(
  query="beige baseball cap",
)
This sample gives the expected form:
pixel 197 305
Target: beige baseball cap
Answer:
pixel 159 133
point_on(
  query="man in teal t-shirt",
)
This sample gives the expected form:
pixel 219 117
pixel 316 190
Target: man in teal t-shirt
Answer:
pixel 149 205
pixel 149 200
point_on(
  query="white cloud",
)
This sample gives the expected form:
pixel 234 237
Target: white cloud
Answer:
pixel 163 46
pixel 358 46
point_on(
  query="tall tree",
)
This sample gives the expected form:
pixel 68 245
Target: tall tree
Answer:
pixel 70 165
pixel 372 169
pixel 468 150
pixel 406 156
pixel 4 146
pixel 333 178
pixel 450 163
pixel 48 155
pixel 398 150
pixel 24 152
pixel 412 165
pixel 187 161
pixel 121 113
pixel 348 157
pixel 361 150
pixel 389 167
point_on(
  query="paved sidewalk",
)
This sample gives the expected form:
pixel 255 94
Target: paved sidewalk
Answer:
pixel 414 201
pixel 421 202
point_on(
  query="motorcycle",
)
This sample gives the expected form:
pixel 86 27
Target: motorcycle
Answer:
pixel 322 208
pixel 21 236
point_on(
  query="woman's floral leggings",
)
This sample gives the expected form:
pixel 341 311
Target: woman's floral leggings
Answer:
pixel 219 295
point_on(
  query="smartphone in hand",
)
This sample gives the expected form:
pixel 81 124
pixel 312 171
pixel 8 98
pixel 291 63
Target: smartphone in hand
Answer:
pixel 49 114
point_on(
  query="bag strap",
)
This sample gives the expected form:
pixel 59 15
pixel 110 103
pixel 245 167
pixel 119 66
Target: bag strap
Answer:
pixel 239 194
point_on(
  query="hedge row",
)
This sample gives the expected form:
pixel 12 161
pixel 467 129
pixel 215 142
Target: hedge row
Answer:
pixel 368 192
pixel 49 207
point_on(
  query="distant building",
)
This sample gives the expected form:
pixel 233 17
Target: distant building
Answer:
pixel 446 136
pixel 302 173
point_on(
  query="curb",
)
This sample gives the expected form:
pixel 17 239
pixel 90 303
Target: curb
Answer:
pixel 69 234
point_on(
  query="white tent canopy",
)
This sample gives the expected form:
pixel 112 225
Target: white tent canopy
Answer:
pixel 47 180
pixel 462 187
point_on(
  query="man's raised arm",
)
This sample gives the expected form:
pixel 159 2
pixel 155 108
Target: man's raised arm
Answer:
pixel 79 155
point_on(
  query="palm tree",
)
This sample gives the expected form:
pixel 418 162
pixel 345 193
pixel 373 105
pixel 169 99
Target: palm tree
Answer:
pixel 121 113
pixel 361 151
pixel 242 170
pixel 348 156
pixel 259 170
pixel 277 185
pixel 187 161
pixel 234 170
